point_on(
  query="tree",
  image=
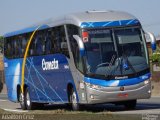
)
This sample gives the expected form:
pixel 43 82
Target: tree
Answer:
pixel 156 57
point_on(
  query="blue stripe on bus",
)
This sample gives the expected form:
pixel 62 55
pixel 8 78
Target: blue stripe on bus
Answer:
pixel 114 83
pixel 25 30
pixel 110 23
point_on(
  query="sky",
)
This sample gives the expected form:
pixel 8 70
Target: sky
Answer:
pixel 18 14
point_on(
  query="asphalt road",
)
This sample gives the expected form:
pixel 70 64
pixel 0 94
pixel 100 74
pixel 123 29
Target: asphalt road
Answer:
pixel 146 106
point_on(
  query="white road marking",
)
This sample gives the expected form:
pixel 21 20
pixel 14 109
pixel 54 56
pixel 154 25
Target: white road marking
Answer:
pixel 12 110
pixel 1 100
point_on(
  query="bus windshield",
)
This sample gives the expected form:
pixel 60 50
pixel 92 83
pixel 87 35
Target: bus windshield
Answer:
pixel 115 52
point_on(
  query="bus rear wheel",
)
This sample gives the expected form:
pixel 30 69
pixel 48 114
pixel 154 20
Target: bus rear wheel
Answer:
pixel 22 101
pixel 73 100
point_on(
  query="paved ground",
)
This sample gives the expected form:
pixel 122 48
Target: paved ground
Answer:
pixel 149 106
pixel 156 88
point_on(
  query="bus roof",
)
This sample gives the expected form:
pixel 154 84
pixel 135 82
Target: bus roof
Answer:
pixel 84 19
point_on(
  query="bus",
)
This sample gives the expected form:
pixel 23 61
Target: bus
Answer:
pixel 92 57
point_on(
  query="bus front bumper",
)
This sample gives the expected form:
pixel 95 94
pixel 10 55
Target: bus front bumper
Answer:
pixel 116 94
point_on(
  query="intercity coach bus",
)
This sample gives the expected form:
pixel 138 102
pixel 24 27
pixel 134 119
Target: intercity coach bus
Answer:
pixel 92 57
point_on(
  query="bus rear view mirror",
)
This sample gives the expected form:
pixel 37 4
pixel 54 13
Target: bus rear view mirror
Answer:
pixel 80 44
pixel 152 39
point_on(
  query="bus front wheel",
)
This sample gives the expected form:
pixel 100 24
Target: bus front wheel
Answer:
pixel 73 99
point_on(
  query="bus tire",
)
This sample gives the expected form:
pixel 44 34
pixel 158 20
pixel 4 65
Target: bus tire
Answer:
pixel 29 104
pixel 73 100
pixel 22 101
pixel 130 105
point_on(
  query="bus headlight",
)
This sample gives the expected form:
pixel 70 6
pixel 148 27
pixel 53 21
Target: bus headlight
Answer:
pixel 93 86
pixel 146 82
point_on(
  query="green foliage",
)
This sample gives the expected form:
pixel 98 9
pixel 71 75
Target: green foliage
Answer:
pixel 156 56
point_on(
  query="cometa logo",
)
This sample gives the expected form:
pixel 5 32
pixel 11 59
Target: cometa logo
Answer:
pixel 50 65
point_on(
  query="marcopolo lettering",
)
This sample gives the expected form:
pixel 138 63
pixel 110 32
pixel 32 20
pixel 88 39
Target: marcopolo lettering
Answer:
pixel 50 65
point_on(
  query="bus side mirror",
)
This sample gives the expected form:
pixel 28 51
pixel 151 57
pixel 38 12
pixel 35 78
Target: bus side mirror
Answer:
pixel 80 44
pixel 152 39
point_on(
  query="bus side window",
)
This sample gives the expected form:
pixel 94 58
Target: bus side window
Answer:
pixel 32 47
pixel 38 47
pixel 8 50
pixel 53 42
pixel 24 43
pixel 39 44
pixel 17 47
pixel 57 40
pixel 61 42
pixel 48 43
pixel 12 48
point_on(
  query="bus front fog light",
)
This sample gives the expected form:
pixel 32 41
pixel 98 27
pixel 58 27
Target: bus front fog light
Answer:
pixel 146 82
